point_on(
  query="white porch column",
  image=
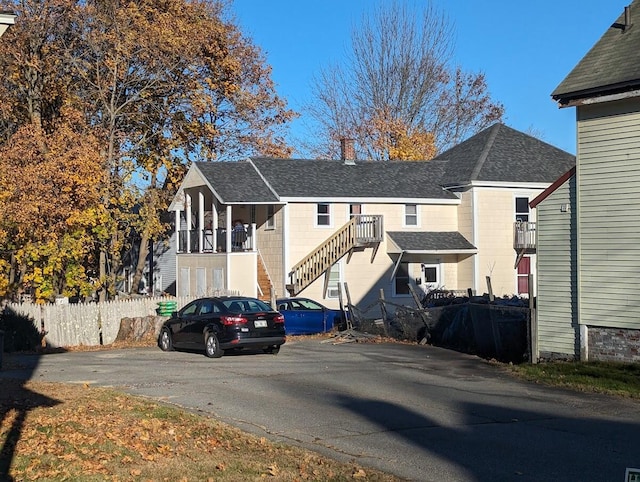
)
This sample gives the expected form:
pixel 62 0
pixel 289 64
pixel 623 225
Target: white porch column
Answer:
pixel 254 233
pixel 200 221
pixel 177 229
pixel 187 203
pixel 229 226
pixel 214 226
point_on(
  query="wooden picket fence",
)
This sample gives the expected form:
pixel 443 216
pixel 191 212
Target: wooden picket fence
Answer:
pixel 88 324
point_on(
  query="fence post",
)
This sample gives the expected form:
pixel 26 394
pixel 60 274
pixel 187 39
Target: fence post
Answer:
pixel 533 323
pixel 383 310
pixel 423 315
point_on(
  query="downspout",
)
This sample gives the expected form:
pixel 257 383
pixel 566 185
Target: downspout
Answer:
pixel 285 247
pixel 227 269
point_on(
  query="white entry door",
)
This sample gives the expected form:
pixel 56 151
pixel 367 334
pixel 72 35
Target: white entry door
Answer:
pixel 430 277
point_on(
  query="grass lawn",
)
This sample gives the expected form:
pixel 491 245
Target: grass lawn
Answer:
pixel 620 379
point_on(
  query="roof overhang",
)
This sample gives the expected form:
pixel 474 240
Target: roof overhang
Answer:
pixel 498 184
pixel 435 244
pixel 595 97
pixel 6 20
pixel 366 200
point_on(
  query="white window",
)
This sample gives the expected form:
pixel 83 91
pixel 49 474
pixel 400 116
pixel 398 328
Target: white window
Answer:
pixel 411 215
pixel 335 276
pixel 271 217
pixel 323 214
pixel 218 280
pixel 201 282
pixel 401 280
pixel 522 209
pixel 185 277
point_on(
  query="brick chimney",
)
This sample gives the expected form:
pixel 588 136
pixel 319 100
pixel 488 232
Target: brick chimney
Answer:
pixel 348 151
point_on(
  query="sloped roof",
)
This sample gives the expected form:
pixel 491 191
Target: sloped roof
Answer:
pixel 497 154
pixel 612 65
pixel 236 182
pixel 323 178
pixel 431 241
pixel 502 154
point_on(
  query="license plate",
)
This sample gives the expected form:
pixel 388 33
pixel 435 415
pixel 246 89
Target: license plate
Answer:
pixel 260 323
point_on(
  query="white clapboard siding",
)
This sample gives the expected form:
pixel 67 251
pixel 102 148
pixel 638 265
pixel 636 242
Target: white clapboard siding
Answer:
pixel 608 208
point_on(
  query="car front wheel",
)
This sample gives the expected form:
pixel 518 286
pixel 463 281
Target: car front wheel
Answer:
pixel 212 346
pixel 166 343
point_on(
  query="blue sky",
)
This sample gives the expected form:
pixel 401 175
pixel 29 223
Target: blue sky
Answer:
pixel 524 48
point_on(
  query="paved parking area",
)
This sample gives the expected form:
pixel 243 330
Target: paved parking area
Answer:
pixel 420 412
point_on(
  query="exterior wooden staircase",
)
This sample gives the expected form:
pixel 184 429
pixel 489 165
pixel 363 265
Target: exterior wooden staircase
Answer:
pixel 266 291
pixel 362 231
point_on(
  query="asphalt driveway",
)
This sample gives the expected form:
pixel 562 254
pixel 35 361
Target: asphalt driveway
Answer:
pixel 420 412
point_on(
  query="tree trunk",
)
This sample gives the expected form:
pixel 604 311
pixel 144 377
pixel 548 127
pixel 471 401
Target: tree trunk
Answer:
pixel 102 293
pixel 142 260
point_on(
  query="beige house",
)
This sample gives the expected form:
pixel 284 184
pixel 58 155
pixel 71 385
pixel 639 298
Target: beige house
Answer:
pixel 282 227
pixel 589 256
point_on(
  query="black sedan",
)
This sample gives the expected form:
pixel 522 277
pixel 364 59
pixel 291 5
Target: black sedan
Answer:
pixel 227 322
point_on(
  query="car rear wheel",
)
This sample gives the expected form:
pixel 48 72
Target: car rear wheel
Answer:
pixel 272 350
pixel 166 342
pixel 212 346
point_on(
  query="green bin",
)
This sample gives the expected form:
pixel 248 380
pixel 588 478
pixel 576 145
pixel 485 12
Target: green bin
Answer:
pixel 166 308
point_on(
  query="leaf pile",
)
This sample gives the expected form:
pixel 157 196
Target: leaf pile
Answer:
pixel 71 432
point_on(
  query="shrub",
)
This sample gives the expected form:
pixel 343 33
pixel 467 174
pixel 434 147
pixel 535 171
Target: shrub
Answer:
pixel 20 332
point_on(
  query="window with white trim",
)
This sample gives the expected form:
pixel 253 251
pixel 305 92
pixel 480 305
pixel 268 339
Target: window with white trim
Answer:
pixel 333 286
pixel 410 214
pixel 271 217
pixel 323 214
pixel 522 209
pixel 401 280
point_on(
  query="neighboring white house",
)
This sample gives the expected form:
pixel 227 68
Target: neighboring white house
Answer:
pixel 312 225
pixel 6 20
pixel 589 224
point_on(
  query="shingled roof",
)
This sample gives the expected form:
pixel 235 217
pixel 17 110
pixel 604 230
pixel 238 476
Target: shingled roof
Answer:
pixel 497 154
pixel 502 154
pixel 296 178
pixel 431 241
pixel 236 182
pixel 611 66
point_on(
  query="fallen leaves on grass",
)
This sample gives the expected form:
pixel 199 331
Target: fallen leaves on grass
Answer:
pixel 76 432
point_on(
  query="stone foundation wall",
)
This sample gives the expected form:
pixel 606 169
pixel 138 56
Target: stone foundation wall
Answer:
pixel 614 344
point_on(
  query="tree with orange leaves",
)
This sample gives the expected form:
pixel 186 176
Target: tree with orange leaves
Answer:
pixel 157 84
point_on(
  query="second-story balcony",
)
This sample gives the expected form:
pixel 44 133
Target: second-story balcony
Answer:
pixel 215 241
pixel 524 236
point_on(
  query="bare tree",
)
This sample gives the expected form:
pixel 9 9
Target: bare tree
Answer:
pixel 397 94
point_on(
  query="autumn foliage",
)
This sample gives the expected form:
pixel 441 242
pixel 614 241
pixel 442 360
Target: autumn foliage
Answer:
pixel 102 105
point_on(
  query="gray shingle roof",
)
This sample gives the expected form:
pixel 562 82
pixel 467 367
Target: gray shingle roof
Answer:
pixel 502 154
pixel 497 154
pixel 431 241
pixel 323 178
pixel 236 182
pixel 612 65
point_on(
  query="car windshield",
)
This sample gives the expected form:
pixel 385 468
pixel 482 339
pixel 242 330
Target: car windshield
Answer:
pixel 246 305
pixel 302 304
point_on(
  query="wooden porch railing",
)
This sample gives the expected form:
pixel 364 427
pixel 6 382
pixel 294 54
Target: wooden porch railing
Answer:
pixel 524 236
pixel 361 231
